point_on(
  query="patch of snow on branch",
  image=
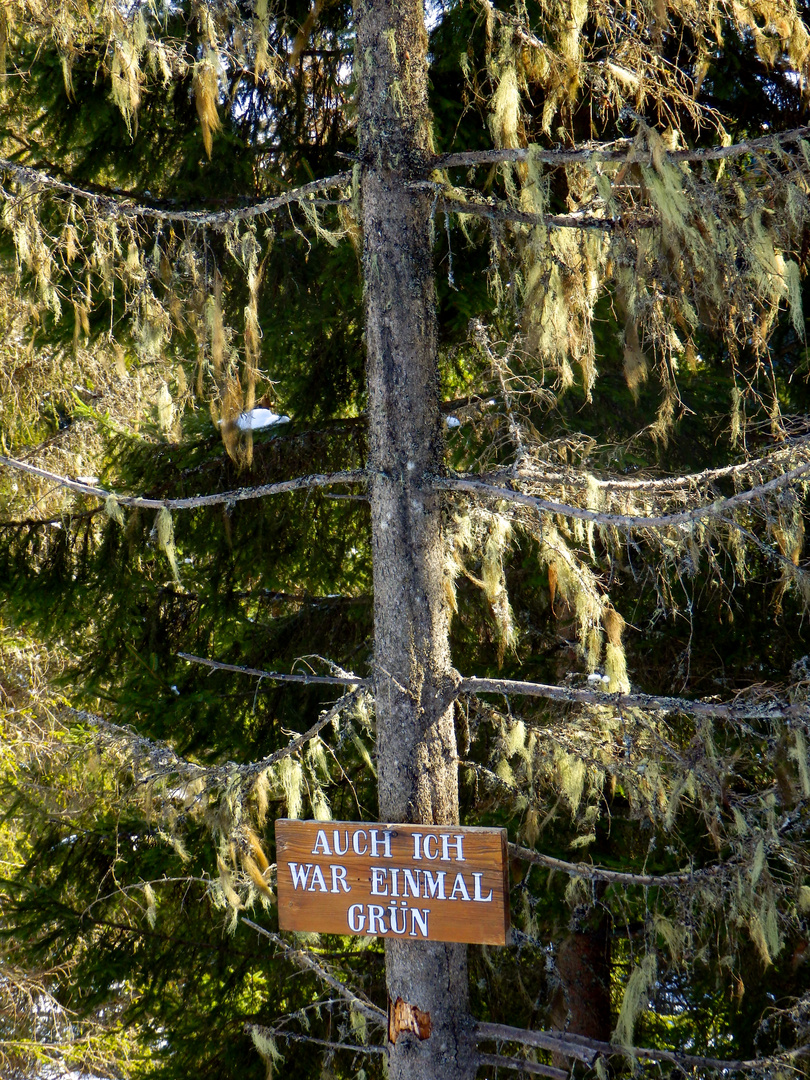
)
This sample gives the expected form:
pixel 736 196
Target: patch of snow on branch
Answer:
pixel 259 418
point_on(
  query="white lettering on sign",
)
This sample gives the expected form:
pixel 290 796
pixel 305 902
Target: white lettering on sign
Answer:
pixel 376 842
pixel 339 879
pixel 411 882
pixel 378 886
pixel 460 888
pixel 321 846
pixel 385 882
pixel 481 899
pixel 317 879
pixel 429 884
pixel 434 886
pixel 452 841
pixel 299 874
pixel 427 847
pixel 386 844
pixel 371 919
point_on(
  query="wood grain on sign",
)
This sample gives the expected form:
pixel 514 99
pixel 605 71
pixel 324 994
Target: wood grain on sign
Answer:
pixel 410 882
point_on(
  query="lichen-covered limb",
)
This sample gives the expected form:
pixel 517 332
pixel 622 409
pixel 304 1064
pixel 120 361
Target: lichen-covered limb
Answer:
pixel 797 450
pixel 617 151
pixel 125 207
pixel 741 709
pixel 299 483
pixel 716 509
pixel 164 761
pixel 501 212
pixel 324 719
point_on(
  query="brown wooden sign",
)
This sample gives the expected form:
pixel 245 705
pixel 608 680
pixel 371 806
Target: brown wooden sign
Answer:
pixel 409 882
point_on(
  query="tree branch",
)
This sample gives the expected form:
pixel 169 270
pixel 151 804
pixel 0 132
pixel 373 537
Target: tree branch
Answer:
pixel 123 206
pixel 292 1036
pixel 597 873
pixel 161 757
pixel 604 153
pixel 303 959
pixel 497 212
pixel 277 676
pixel 316 480
pixel 522 1065
pixel 164 761
pixel 625 521
pixel 587 1050
pixel 545 1040
pixel 731 710
pixel 533 474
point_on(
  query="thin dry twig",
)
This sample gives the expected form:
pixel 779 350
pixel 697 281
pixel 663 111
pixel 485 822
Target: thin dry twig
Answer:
pixel 277 676
pixel 279 1033
pixel 521 1065
pixel 304 959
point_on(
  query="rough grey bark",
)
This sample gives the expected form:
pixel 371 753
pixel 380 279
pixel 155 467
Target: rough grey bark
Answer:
pixel 416 748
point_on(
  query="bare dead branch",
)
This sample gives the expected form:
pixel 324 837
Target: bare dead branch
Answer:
pixel 729 710
pixel 587 1050
pixel 277 676
pixel 305 960
pixel 164 761
pixel 716 509
pixel 598 873
pixel 545 1040
pixel 521 1065
pixel 125 207
pixel 316 480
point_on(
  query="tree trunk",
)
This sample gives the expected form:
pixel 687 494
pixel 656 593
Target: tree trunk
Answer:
pixel 580 1003
pixel 416 747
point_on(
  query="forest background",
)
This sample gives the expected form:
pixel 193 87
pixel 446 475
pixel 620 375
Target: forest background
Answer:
pixel 615 201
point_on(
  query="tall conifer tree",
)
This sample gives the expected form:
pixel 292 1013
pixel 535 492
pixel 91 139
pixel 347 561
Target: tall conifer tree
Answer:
pixel 551 548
